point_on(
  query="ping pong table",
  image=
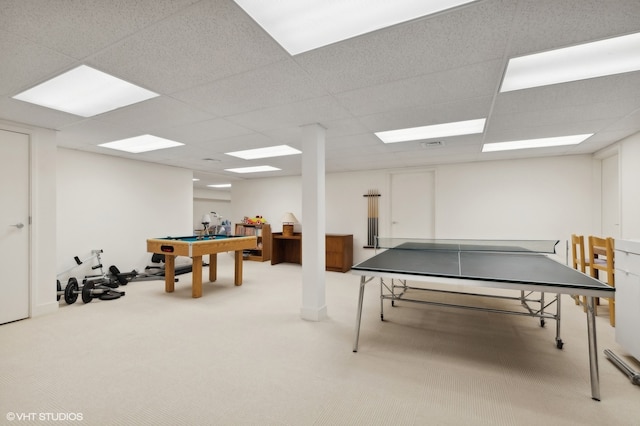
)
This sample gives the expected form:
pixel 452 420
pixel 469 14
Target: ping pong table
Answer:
pixel 524 266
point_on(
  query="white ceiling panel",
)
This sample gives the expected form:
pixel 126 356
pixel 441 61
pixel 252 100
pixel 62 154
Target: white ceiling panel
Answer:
pixel 542 25
pixel 81 28
pixel 203 43
pixel 275 84
pixel 204 132
pixel 317 110
pixel 156 114
pixel 450 40
pixel 441 87
pixel 25 62
pixel 226 85
pixel 470 109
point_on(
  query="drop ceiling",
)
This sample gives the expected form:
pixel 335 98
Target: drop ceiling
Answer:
pixel 226 85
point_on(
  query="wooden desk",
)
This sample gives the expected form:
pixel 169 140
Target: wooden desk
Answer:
pixel 286 248
pixel 338 249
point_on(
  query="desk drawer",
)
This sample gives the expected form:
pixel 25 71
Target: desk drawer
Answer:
pixel 627 261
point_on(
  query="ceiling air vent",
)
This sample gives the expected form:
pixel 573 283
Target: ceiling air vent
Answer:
pixel 432 144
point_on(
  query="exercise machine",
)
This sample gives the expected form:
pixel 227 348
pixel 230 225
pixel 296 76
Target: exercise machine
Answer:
pixel 71 290
pixel 157 272
pixel 101 286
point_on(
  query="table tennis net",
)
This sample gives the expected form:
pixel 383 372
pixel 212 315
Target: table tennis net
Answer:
pixel 501 246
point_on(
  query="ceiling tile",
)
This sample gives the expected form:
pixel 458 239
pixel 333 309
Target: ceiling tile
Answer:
pixel 155 115
pixel 441 87
pixel 317 110
pixel 203 43
pixel 80 28
pixel 550 24
pixel 275 84
pixel 449 40
pixel 25 63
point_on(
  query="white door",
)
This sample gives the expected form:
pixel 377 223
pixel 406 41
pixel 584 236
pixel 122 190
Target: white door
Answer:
pixel 14 226
pixel 413 205
pixel 610 198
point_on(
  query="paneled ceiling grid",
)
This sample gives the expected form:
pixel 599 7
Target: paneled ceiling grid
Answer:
pixel 226 85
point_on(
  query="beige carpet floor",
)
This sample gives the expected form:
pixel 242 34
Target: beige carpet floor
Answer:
pixel 243 356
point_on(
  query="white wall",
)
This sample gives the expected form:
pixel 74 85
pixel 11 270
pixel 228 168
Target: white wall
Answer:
pixel 203 206
pixel 630 187
pixel 346 208
pixel 206 201
pixel 115 204
pixel 539 198
pixel 269 198
pixel 44 218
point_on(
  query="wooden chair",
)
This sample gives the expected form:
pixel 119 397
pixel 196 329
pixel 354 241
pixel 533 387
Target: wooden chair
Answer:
pixel 579 261
pixel 601 255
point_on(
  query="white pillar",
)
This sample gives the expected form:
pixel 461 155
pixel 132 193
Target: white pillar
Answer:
pixel 314 306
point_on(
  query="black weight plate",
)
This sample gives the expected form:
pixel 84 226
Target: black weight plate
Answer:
pixel 71 291
pixel 111 295
pixel 87 291
pixel 121 278
pixel 58 289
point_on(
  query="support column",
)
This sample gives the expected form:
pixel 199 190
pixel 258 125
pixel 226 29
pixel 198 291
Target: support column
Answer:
pixel 313 229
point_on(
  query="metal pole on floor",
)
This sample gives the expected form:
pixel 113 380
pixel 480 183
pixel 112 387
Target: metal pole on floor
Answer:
pixel 633 375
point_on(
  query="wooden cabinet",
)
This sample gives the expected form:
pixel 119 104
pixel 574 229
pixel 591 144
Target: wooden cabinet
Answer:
pixel 286 248
pixel 338 250
pixel 262 252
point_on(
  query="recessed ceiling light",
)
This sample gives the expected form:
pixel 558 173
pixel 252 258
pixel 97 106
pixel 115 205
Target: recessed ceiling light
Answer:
pixel 303 25
pixel 254 169
pixel 597 59
pixel 223 185
pixel 196 179
pixel 141 143
pixel 535 143
pixel 86 92
pixel 271 151
pixel 434 131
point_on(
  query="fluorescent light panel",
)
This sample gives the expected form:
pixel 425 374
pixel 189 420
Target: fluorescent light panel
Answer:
pixel 271 151
pixel 597 59
pixel 535 143
pixel 223 185
pixel 457 128
pixel 141 143
pixel 86 92
pixel 303 25
pixel 254 169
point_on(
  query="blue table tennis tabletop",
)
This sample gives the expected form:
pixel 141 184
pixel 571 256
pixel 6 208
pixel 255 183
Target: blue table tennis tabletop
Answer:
pixel 503 265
